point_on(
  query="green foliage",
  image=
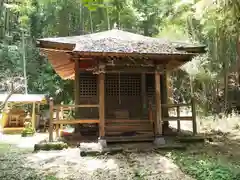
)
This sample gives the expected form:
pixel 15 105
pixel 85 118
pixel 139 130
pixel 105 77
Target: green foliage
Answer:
pixel 204 167
pixel 28 131
pixel 197 21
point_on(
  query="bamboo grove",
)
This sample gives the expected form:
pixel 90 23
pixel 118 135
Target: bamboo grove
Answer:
pixel 214 23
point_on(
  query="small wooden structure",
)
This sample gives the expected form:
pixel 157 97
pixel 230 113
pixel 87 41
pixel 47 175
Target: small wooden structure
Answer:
pixel 121 82
pixel 12 119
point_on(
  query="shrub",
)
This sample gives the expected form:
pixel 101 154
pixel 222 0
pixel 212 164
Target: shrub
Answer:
pixel 28 131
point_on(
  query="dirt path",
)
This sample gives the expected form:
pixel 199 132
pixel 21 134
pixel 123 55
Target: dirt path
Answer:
pixel 67 164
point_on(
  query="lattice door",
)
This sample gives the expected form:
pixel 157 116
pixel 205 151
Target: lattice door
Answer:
pixel 88 94
pixel 123 95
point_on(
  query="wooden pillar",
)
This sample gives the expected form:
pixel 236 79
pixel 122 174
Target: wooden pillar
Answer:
pixel 169 88
pixel 101 80
pixel 34 116
pixel 158 122
pixel 178 119
pixel 77 83
pixel 50 130
pixel 143 94
pixel 57 125
pixel 61 115
pixel 38 108
pixel 194 120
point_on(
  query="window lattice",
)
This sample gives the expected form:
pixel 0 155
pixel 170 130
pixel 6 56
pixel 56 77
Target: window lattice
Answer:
pixel 88 84
pixel 123 84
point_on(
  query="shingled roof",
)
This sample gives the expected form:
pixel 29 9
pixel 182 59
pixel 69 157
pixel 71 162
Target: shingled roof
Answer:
pixel 116 41
pixel 113 43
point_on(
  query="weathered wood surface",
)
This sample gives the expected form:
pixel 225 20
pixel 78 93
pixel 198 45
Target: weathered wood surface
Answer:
pixel 191 139
pixel 137 138
pixel 170 147
pixel 181 118
pixel 48 146
pixel 72 106
pixel 111 151
pixel 50 129
pixel 102 104
pixel 76 121
pixel 158 121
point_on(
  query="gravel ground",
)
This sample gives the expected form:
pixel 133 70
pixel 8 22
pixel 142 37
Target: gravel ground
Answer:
pixel 23 142
pixel 67 164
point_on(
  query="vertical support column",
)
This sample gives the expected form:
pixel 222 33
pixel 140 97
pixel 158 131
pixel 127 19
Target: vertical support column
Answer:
pixel 101 79
pixel 57 125
pixel 169 88
pixel 34 116
pixel 50 130
pixel 61 116
pixel 143 94
pixel 194 120
pixel 77 83
pixel 178 119
pixel 101 105
pixel 159 140
pixel 77 91
pixel 158 122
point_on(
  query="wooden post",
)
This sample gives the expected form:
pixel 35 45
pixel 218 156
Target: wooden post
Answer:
pixel 51 120
pixel 57 125
pixel 101 105
pixel 169 88
pixel 158 124
pixel 194 121
pixel 34 116
pixel 77 85
pixel 178 119
pixel 38 108
pixel 62 115
pixel 150 116
pixel 143 93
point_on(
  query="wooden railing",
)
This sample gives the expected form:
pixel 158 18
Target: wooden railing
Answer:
pixel 59 120
pixel 180 118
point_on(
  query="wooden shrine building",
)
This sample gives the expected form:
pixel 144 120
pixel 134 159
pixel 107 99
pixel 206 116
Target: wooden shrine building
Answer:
pixel 120 80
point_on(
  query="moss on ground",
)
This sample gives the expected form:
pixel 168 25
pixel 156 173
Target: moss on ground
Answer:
pixel 206 162
pixel 204 167
pixel 12 166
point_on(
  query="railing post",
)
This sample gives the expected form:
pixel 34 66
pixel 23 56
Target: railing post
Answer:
pixel 61 115
pixel 178 119
pixel 34 116
pixel 57 119
pixel 150 116
pixel 50 130
pixel 194 120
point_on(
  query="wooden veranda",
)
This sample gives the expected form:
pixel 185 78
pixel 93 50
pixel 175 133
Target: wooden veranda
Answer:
pixel 121 82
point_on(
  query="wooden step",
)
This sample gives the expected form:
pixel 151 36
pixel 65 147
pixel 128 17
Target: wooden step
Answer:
pixel 126 121
pixel 116 133
pixel 137 138
pixel 13 130
pixel 126 128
